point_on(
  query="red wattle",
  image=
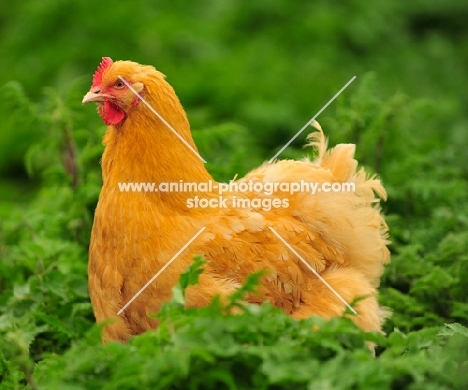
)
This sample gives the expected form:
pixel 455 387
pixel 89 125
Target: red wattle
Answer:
pixel 110 114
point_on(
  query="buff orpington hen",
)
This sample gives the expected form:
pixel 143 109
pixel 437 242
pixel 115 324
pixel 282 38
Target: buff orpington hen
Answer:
pixel 320 252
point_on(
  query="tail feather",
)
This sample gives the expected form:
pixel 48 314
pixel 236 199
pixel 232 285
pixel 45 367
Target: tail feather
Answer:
pixel 369 185
pixel 318 141
pixel 339 160
pixel 343 166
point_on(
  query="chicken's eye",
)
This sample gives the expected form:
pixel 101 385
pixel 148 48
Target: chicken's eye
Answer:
pixel 119 84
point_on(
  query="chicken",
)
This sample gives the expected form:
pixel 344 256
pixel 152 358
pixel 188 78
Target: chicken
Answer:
pixel 320 252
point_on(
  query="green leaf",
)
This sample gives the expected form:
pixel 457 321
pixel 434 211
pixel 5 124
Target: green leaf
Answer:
pixel 451 329
pixel 188 278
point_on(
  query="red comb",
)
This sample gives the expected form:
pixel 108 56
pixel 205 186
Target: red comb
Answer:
pixel 97 77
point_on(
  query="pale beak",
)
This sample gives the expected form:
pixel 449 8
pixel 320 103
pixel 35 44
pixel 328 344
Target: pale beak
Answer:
pixel 94 95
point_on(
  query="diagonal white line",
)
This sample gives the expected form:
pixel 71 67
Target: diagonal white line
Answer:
pixel 314 271
pixel 308 123
pixel 162 119
pixel 160 271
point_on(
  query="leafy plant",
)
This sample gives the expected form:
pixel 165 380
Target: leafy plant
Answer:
pixel 250 74
pixel 258 347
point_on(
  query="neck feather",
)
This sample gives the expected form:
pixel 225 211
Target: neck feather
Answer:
pixel 144 149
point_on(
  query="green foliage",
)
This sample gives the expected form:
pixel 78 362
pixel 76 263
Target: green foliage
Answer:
pixel 250 74
pixel 268 66
pixel 258 348
pixel 188 278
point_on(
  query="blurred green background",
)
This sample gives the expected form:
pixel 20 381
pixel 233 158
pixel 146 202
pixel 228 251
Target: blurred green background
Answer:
pixel 250 74
pixel 267 66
